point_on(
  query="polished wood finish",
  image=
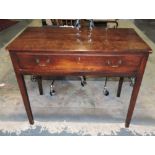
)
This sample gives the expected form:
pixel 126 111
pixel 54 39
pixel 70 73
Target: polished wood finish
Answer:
pixel 99 40
pixel 68 51
pixel 135 91
pixel 23 89
pixel 69 63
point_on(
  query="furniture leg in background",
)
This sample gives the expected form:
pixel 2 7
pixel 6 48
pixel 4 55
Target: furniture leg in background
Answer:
pixel 120 86
pixel 39 80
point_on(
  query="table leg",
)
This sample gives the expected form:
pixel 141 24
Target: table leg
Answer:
pixel 23 90
pixel 120 86
pixel 135 92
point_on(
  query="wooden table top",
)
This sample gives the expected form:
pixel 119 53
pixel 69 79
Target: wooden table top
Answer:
pixel 47 39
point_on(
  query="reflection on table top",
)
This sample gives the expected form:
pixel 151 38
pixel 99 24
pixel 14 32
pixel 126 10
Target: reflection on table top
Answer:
pixel 71 39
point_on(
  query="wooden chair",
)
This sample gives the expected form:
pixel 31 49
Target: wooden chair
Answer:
pixel 106 22
pixel 58 22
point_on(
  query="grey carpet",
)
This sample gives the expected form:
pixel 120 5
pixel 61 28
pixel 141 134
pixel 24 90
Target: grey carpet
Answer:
pixel 147 26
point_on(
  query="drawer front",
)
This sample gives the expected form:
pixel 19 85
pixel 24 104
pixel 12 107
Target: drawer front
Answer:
pixel 106 63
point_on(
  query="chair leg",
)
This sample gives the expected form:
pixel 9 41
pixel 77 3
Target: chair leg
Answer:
pixel 105 90
pixel 33 78
pixel 39 80
pixel 52 91
pixel 120 86
pixel 83 81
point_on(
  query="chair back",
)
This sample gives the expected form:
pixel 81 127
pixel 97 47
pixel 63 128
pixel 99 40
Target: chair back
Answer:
pixel 59 22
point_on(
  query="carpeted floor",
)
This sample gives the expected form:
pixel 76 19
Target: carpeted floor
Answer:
pixel 147 26
pixel 5 23
pixel 10 32
pixel 76 110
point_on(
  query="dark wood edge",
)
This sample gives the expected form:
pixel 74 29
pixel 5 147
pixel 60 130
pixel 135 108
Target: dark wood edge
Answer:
pixel 81 52
pixel 77 73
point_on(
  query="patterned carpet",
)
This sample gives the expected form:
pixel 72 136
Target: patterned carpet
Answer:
pixel 76 110
pixel 74 129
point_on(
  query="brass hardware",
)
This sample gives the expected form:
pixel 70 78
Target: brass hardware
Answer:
pixel 42 64
pixel 48 60
pixel 114 66
pixel 37 60
pixel 78 60
pixel 108 62
pixel 120 62
pixel 117 65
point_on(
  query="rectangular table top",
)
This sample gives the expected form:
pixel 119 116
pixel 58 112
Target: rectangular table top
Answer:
pixel 67 39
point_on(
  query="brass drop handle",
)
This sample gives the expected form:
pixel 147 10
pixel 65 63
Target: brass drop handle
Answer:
pixel 37 60
pixel 115 65
pixel 120 62
pixel 108 62
pixel 48 60
pixel 78 60
pixel 42 64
